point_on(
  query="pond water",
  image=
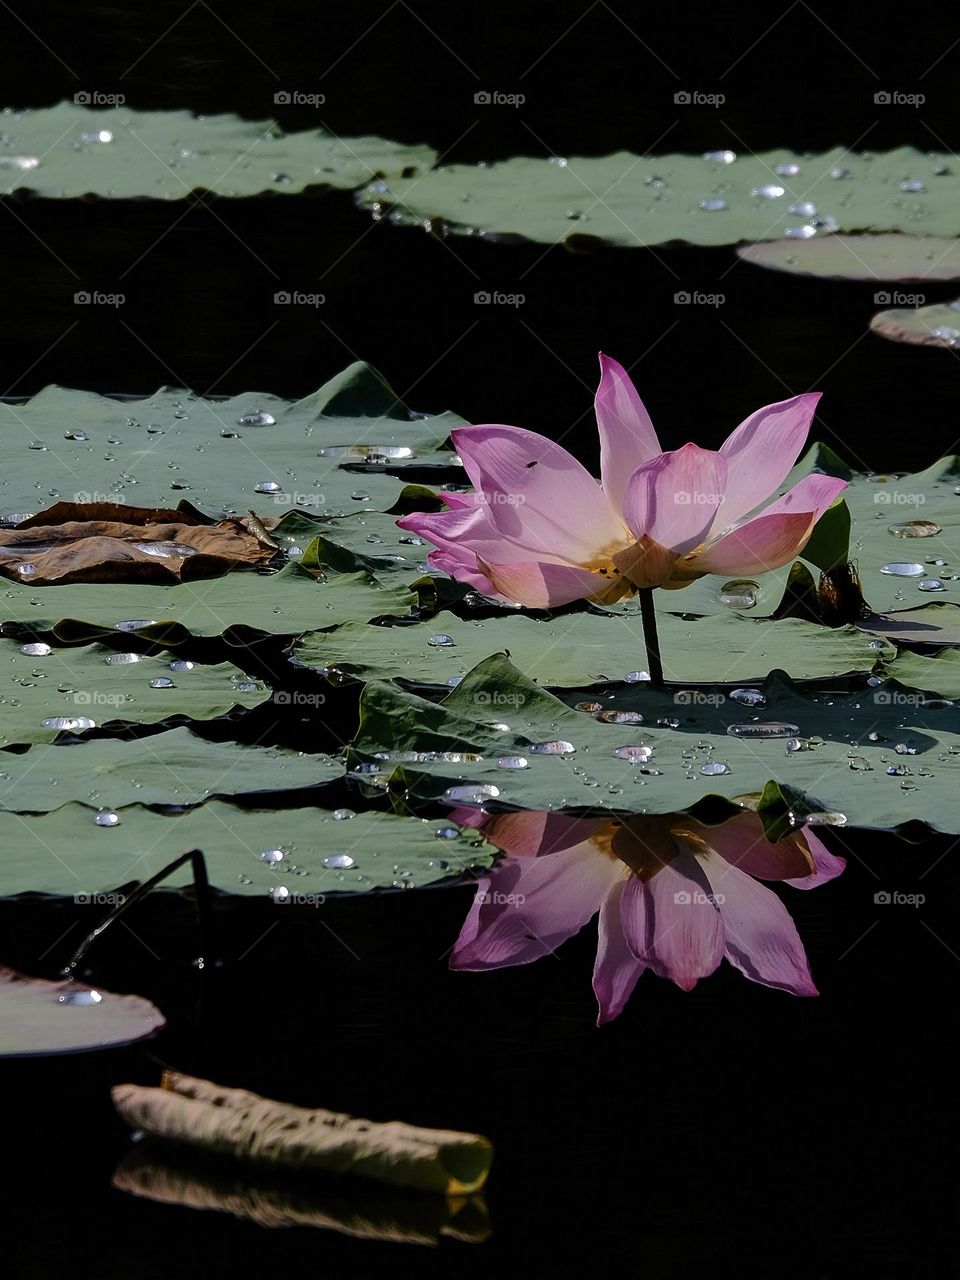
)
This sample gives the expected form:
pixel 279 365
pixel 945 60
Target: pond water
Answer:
pixel 731 1126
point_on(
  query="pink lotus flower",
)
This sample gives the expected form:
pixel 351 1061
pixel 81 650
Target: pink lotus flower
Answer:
pixel 540 531
pixel 674 896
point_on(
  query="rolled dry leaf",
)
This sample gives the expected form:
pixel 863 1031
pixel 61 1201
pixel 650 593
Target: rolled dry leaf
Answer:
pixel 389 1216
pixel 244 1126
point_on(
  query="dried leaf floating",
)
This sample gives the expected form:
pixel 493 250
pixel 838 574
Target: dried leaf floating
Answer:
pixel 107 542
pixel 236 1123
pixel 389 1217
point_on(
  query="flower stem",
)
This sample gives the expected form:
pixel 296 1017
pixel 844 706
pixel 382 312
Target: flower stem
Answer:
pixel 648 617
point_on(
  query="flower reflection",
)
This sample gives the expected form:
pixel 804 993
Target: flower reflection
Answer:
pixel 674 895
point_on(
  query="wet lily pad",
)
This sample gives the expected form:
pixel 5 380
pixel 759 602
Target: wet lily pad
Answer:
pixel 659 751
pixel 75 150
pixel 273 604
pixel 585 647
pixel 914 257
pixel 39 1017
pixel 67 852
pixel 931 624
pixel 49 691
pixel 720 198
pixel 934 326
pixel 216 454
pixel 172 768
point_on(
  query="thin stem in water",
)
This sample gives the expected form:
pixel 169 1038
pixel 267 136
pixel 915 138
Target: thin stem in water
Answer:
pixel 648 617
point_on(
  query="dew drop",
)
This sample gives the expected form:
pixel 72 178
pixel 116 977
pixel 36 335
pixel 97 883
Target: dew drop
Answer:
pixel 339 862
pixel 902 570
pixel 765 729
pixel 748 697
pixel 741 593
pixel 471 794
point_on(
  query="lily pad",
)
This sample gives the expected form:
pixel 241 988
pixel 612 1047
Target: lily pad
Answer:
pixel 75 150
pixel 38 1017
pixel 913 257
pixel 934 326
pixel 68 852
pixel 172 768
pixel 223 456
pixel 49 691
pixel 272 604
pixel 931 624
pixel 585 648
pixel 497 737
pixel 719 198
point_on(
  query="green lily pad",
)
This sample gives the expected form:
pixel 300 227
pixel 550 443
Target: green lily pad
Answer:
pixel 71 690
pixel 66 852
pixel 934 326
pixel 272 604
pixel 172 768
pixel 473 740
pixel 38 1017
pixel 931 624
pixel 630 200
pixel 75 150
pixel 585 648
pixel 937 675
pixel 927 258
pixel 173 446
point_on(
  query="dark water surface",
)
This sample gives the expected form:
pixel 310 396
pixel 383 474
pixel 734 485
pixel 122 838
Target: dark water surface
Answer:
pixel 733 1128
